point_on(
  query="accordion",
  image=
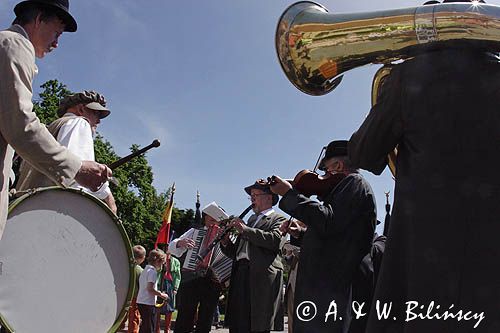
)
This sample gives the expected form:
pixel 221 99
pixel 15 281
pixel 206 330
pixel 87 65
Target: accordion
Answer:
pixel 215 261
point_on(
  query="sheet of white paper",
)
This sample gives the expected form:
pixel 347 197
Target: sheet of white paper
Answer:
pixel 215 211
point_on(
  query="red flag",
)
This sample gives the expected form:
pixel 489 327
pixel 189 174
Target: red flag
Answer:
pixel 164 233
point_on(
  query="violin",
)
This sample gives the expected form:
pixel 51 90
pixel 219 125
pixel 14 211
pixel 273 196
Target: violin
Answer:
pixel 309 183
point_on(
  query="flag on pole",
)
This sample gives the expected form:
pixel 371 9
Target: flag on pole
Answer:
pixel 164 233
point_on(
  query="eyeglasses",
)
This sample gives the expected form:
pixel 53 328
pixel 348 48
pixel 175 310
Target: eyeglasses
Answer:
pixel 257 195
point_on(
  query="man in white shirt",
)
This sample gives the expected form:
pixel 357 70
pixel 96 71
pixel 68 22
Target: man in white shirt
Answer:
pixel 198 293
pixel 79 114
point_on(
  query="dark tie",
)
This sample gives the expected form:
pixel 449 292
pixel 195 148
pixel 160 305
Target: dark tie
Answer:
pixel 252 219
pixel 242 250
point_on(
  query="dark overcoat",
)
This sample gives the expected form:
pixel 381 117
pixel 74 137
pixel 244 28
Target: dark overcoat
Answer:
pixel 339 234
pixel 266 273
pixel 443 110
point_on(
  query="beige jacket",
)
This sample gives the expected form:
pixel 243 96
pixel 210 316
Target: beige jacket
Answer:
pixel 29 177
pixel 20 128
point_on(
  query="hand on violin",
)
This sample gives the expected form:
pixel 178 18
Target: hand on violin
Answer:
pixel 279 186
pixel 294 229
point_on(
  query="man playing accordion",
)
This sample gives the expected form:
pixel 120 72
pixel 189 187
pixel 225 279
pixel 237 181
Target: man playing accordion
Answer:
pixel 198 291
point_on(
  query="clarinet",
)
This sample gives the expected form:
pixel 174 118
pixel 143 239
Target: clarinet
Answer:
pixel 220 236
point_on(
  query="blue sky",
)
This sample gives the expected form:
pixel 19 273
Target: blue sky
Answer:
pixel 203 77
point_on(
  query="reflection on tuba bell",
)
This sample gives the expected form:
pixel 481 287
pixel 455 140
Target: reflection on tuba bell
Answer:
pixel 314 47
pixel 378 80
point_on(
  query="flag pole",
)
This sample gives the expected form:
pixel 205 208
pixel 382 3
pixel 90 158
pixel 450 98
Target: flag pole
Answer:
pixel 163 238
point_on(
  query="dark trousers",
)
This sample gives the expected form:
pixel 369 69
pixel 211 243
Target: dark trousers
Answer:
pixel 238 304
pixel 148 318
pixel 202 294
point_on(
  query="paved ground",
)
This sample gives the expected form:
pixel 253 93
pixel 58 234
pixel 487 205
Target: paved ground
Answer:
pixel 219 330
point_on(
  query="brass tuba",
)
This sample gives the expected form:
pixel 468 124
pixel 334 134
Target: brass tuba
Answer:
pixel 378 79
pixel 315 47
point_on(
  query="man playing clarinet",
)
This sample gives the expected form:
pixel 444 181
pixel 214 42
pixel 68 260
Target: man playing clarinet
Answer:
pixel 255 292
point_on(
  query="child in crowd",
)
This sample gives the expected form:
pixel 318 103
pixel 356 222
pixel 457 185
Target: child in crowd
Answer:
pixel 134 316
pixel 171 281
pixel 148 290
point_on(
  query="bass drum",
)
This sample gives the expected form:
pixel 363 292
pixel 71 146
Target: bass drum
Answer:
pixel 66 265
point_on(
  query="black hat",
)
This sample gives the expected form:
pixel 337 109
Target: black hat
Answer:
pixel 60 6
pixel 261 184
pixel 447 1
pixel 334 148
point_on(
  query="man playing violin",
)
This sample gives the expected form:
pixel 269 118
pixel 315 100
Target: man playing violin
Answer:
pixel 339 234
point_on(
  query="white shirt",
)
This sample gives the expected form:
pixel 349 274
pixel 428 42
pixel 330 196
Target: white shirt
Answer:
pixel 149 274
pixel 178 251
pixel 76 135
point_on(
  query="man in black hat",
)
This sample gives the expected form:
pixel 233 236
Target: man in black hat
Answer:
pixel 441 110
pixel 34 32
pixel 256 286
pixel 79 115
pixel 339 234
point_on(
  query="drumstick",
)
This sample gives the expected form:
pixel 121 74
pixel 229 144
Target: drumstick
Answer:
pixel 123 160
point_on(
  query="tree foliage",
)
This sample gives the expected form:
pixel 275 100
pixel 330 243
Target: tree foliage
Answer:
pixel 140 206
pixel 46 107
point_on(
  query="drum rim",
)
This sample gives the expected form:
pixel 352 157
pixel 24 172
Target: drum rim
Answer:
pixel 117 222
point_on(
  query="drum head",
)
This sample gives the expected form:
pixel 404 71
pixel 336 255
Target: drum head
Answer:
pixel 65 265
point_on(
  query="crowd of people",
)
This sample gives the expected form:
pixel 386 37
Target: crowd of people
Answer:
pixel 332 245
pixel 437 273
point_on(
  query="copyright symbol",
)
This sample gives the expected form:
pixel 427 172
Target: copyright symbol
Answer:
pixel 306 311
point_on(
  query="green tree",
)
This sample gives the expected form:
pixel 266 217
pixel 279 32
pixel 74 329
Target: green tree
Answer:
pixel 140 206
pixel 46 107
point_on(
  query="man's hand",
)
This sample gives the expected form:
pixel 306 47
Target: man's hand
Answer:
pixel 280 186
pixel 291 227
pixel 92 175
pixel 294 229
pixel 284 227
pixel 110 201
pixel 164 296
pixel 186 243
pixel 225 240
pixel 238 224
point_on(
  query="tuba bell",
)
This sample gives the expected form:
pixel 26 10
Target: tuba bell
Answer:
pixel 315 47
